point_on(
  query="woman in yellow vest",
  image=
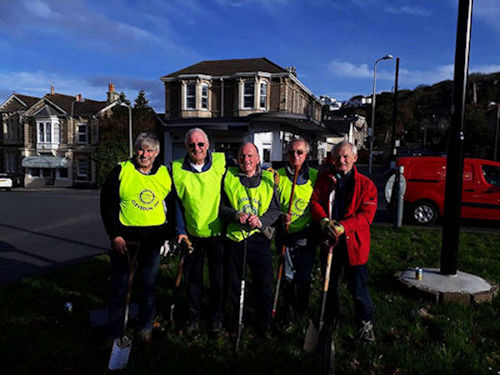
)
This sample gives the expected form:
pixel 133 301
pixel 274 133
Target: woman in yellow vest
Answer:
pixel 250 206
pixel 136 205
pixel 300 241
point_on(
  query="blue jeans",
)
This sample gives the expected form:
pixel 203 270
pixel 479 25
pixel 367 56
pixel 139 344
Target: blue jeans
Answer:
pixel 148 261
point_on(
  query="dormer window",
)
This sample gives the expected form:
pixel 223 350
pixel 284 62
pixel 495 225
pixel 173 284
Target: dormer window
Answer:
pixel 204 96
pixel 263 95
pixel 191 96
pixel 248 94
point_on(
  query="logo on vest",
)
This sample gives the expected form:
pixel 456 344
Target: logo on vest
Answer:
pixel 300 206
pixel 147 197
pixel 249 206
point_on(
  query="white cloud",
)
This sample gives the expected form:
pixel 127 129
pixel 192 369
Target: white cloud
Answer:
pixel 413 11
pixel 347 69
pixel 40 9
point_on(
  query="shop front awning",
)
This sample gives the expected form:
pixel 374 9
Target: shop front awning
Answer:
pixel 45 162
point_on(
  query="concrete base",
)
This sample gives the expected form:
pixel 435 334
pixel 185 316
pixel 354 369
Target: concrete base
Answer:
pixel 461 288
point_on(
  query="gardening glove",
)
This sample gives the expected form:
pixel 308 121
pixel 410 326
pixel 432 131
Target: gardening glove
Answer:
pixel 331 228
pixel 186 245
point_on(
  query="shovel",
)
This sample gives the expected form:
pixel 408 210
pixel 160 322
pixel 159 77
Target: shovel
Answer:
pixel 313 333
pixel 122 345
pixel 283 249
pixel 242 293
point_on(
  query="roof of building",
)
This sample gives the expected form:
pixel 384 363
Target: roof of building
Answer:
pixel 230 67
pixel 13 105
pixel 73 107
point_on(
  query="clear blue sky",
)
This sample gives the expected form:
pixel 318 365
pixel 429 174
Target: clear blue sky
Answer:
pixel 82 45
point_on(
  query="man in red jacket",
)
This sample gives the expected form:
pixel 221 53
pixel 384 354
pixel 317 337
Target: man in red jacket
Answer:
pixel 344 203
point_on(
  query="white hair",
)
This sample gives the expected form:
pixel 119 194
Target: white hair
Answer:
pixel 338 146
pixel 195 130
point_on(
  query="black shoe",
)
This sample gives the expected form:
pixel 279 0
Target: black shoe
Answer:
pixel 144 337
pixel 216 329
pixel 265 332
pixel 192 328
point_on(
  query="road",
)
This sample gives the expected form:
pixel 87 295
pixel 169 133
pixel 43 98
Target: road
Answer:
pixel 44 230
pixel 47 229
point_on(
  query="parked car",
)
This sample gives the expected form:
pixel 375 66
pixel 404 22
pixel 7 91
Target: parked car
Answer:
pixel 5 182
pixel 425 188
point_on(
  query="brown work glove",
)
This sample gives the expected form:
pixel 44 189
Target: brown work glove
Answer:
pixel 331 228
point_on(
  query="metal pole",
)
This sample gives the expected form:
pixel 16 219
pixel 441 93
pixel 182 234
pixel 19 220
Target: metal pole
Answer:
pixel 130 130
pixel 455 159
pixel 399 194
pixel 394 113
pixel 495 155
pixel 371 132
pixel 372 127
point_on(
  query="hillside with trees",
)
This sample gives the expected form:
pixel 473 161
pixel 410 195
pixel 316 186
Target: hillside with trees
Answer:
pixel 424 115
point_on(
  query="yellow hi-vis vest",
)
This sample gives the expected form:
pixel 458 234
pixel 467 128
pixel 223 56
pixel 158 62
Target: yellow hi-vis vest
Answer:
pixel 249 200
pixel 142 196
pixel 301 212
pixel 200 196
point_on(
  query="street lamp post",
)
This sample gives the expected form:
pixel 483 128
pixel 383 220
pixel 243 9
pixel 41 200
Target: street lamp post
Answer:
pixel 130 148
pixel 497 120
pixel 371 132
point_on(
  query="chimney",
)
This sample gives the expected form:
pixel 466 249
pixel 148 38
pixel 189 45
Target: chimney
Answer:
pixel 52 91
pixel 79 97
pixel 112 94
pixel 291 69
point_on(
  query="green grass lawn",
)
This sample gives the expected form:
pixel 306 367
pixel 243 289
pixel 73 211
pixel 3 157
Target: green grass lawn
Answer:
pixel 39 337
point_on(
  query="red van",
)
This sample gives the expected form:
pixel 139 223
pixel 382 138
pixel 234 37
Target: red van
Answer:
pixel 425 185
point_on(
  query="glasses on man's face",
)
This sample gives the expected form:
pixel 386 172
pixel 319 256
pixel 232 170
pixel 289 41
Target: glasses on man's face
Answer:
pixel 293 152
pixel 200 144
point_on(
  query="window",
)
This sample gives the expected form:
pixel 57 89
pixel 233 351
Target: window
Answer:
pixel 48 132
pixel 56 133
pixel 82 168
pixel 46 172
pixel 248 94
pixel 41 132
pixel 267 155
pixel 204 96
pixel 491 174
pixel 82 136
pixel 191 96
pixel 263 95
pixel 35 172
pixel 63 172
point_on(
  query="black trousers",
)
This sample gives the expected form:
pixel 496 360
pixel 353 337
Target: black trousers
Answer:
pixel 302 247
pixel 213 248
pixel 259 261
pixel 356 277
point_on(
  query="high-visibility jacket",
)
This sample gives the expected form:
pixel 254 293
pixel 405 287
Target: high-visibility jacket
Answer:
pixel 200 195
pixel 249 200
pixel 142 196
pixel 301 212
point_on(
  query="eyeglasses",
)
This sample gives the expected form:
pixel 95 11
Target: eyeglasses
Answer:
pixel 298 152
pixel 200 144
